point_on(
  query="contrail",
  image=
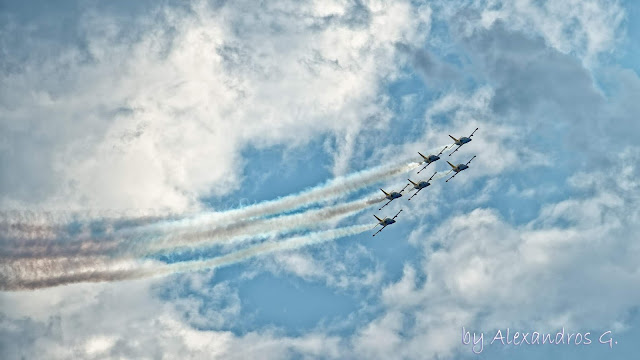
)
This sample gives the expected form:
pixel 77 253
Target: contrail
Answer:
pixel 268 248
pixel 441 174
pixel 24 279
pixel 80 258
pixel 30 224
pixel 331 189
pixel 41 273
pixel 118 244
pixel 54 233
pixel 35 224
pixel 263 227
pixel 139 245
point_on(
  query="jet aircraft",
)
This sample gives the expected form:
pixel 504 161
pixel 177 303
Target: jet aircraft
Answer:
pixel 463 140
pixel 420 185
pixel 392 196
pixel 385 222
pixel 431 158
pixel 458 168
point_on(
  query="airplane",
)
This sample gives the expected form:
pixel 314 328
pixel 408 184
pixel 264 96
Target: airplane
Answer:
pixel 385 222
pixel 420 185
pixel 392 196
pixel 459 167
pixel 463 140
pixel 431 158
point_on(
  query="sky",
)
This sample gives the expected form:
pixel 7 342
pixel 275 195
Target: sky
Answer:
pixel 177 108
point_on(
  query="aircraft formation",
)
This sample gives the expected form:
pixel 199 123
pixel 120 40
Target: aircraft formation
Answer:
pixel 419 185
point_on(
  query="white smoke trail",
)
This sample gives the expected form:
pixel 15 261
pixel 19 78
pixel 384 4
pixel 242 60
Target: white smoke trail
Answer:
pixel 41 240
pixel 441 174
pixel 267 248
pixel 44 272
pixel 58 233
pixel 227 234
pixel 28 274
pixel 259 228
pixel 63 272
pixel 332 189
pixel 30 224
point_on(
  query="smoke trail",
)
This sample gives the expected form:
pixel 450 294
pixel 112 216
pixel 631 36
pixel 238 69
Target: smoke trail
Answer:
pixel 41 273
pixel 23 279
pixel 44 240
pixel 228 233
pixel 263 227
pixel 59 247
pixel 142 244
pixel 331 189
pixel 90 277
pixel 441 174
pixel 40 241
pixel 267 248
pixel 35 224
pixel 58 233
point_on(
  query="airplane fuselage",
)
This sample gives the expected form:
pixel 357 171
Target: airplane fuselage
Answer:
pixel 387 221
pixel 393 195
pixel 463 140
pixel 432 158
pixel 461 167
pixel 422 185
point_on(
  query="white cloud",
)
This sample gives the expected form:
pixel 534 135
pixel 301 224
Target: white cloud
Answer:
pixel 558 270
pixel 584 28
pixel 169 112
pixel 127 320
pixel 355 269
pixel 158 119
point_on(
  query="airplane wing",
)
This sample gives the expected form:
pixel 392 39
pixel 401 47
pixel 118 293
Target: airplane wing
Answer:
pixel 470 160
pixel 414 194
pixel 419 171
pixel 380 230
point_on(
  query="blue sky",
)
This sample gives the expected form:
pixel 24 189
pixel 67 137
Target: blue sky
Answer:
pixel 196 106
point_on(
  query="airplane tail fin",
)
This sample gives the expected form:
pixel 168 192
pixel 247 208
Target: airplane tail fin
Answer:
pixel 412 182
pixel 454 139
pixel 424 157
pixel 450 164
pixel 377 218
pixel 386 193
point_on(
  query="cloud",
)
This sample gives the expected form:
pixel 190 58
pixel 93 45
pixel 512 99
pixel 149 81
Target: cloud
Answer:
pixel 155 113
pixel 554 271
pixel 585 29
pixel 132 323
pixel 476 268
pixel 355 269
